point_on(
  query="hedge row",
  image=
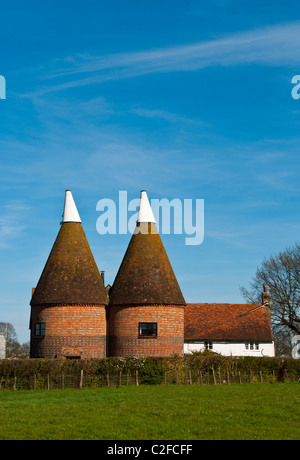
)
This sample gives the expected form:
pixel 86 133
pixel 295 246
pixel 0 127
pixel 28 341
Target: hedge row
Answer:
pixel 187 369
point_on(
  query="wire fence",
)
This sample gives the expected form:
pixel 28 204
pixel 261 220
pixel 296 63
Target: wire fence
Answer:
pixel 188 377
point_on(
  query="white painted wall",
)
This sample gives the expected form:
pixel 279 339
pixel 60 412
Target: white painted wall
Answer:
pixel 232 348
pixel 2 346
pixel 296 346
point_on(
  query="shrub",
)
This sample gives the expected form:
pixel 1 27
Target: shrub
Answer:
pixel 151 371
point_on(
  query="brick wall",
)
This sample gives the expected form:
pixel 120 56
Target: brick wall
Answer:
pixel 124 337
pixel 76 330
pixel 80 331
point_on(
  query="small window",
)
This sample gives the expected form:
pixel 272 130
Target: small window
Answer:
pixel 208 345
pixel 39 329
pixel 252 346
pixel 147 329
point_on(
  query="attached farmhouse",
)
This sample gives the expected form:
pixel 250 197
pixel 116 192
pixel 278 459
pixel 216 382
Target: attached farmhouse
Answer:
pixel 228 329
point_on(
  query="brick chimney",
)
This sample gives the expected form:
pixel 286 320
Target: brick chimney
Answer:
pixel 266 303
pixel 265 297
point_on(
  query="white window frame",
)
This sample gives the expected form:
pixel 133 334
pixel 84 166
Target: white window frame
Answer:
pixel 252 346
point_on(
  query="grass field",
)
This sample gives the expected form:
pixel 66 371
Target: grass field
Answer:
pixel 172 412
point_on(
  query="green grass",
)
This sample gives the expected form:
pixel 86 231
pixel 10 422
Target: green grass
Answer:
pixel 247 411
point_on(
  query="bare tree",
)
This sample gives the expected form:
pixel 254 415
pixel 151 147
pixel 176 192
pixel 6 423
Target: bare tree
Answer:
pixel 9 332
pixel 281 273
pixel 13 347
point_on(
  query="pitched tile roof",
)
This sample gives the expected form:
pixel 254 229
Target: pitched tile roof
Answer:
pixel 227 322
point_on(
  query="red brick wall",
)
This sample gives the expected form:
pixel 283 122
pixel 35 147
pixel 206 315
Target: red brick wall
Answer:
pixel 123 330
pixel 70 330
pixel 80 330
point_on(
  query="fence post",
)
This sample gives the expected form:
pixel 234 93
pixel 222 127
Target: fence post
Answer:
pixel 228 379
pixel 34 382
pixel 48 382
pixel 215 382
pixel 190 377
pixel 220 379
pixel 15 383
pixel 240 377
pixel 261 377
pixel 201 379
pixel 137 377
pixel 81 379
pixel 120 378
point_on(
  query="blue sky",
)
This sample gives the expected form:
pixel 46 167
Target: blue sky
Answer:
pixel 186 99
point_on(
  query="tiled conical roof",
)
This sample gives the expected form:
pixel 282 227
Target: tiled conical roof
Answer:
pixel 70 275
pixel 146 275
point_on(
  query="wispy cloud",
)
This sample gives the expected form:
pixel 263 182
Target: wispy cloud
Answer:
pixel 12 222
pixel 167 116
pixel 274 45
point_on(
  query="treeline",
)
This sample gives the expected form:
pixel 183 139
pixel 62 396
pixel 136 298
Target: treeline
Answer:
pixel 198 368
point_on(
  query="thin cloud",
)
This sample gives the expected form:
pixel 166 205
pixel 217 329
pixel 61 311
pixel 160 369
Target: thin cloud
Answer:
pixel 12 222
pixel 275 45
pixel 167 116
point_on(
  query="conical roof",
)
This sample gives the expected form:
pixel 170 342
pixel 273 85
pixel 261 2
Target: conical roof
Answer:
pixel 146 275
pixel 70 275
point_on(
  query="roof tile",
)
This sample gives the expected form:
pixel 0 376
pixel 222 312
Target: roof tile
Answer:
pixel 227 322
